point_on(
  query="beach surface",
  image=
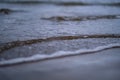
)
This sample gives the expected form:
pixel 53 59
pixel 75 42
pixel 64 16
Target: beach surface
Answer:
pixel 103 65
pixel 59 39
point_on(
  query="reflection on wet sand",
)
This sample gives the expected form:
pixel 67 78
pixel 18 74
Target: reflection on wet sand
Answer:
pixel 103 65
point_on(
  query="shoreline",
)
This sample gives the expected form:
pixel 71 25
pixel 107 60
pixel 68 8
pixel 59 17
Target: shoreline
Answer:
pixel 103 65
pixel 59 54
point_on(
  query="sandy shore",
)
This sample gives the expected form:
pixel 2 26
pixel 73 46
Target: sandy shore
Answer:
pixel 104 65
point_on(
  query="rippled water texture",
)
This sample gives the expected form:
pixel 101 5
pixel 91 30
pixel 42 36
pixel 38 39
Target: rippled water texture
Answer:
pixel 50 27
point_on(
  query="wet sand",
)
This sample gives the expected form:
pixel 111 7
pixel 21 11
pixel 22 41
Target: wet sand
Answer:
pixel 104 65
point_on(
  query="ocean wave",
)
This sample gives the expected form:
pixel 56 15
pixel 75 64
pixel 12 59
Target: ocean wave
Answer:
pixel 58 54
pixel 81 18
pixel 9 45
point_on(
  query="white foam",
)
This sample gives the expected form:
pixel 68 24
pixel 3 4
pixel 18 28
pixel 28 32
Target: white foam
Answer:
pixel 56 54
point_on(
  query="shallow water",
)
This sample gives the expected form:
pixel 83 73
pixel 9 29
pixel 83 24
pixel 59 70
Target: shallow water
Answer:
pixel 104 65
pixel 47 27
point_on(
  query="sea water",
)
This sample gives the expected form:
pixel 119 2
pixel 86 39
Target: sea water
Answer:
pixel 41 29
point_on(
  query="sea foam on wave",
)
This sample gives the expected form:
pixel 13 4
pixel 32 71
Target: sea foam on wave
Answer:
pixel 57 54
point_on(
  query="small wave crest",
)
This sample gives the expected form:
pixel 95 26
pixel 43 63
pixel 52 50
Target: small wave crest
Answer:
pixel 81 18
pixel 9 45
pixel 57 54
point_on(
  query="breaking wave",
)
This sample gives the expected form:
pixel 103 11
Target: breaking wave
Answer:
pixel 58 54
